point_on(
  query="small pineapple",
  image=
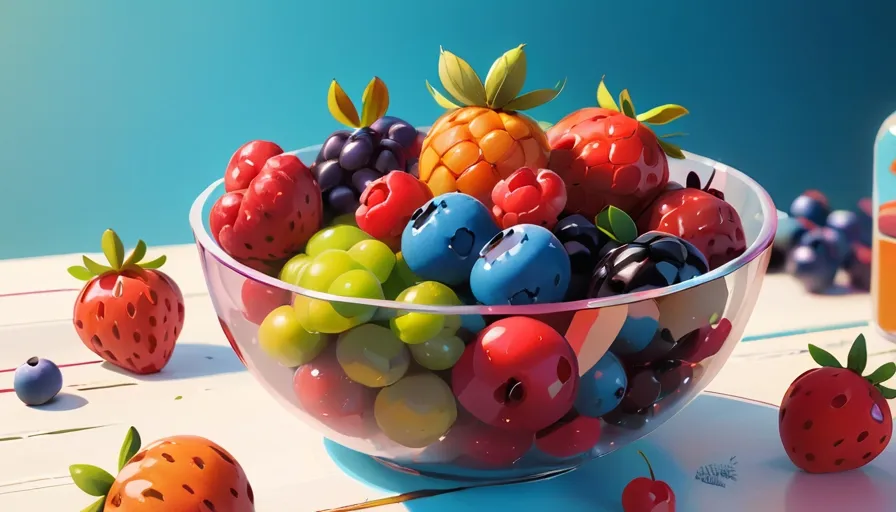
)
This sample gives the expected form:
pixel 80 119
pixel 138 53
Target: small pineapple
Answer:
pixel 484 137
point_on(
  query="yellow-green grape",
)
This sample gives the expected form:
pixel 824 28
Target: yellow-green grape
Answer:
pixel 415 411
pixel 400 279
pixel 320 316
pixel 293 269
pixel 324 268
pixel 371 355
pixel 346 219
pixel 376 257
pixel 340 237
pixel 415 327
pixel 282 336
pixel 438 353
pixel 360 284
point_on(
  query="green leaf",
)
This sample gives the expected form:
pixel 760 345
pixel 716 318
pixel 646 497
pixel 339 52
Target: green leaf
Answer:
pixel 91 479
pixel 441 100
pixel 858 355
pixel 129 447
pixel 80 273
pixel 95 267
pixel 623 226
pixel 882 374
pixel 460 80
pixel 156 263
pixel 823 357
pixel 96 506
pixel 887 393
pixel 375 101
pixel 136 255
pixel 506 78
pixel 341 107
pixel 625 101
pixel 662 114
pixel 608 233
pixel 535 98
pixel 670 149
pixel 179 397
pixel 674 135
pixel 604 98
pixel 113 249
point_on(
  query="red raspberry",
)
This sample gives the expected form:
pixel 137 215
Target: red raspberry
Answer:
pixel 388 203
pixel 527 197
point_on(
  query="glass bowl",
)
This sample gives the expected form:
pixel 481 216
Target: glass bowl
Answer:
pixel 543 388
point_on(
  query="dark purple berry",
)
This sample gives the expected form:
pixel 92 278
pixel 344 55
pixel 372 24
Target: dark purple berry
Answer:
pixel 643 390
pixel 342 199
pixel 362 178
pixel 859 268
pixel 811 208
pixel 328 174
pixel 672 376
pixel 404 134
pixel 332 147
pixel 357 151
pixel 856 227
pixel 390 157
pixel 831 241
pixel 814 268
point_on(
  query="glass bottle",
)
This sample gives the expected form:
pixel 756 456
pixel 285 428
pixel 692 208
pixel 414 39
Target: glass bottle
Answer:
pixel 883 259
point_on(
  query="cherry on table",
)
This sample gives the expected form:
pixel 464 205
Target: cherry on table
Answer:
pixel 648 494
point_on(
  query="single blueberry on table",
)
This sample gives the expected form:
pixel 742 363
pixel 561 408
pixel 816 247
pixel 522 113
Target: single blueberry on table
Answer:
pixel 37 381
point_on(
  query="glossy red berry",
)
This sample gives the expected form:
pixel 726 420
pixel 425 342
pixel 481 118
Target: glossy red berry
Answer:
pixel 648 494
pixel 388 203
pixel 519 374
pixel 571 436
pixel 529 197
pixel 260 299
pixel 327 394
pixel 247 162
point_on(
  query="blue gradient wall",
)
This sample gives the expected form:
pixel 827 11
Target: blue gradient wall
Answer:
pixel 116 114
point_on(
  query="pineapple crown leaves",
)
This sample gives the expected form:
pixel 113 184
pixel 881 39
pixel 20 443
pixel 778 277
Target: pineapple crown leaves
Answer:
pixel 502 87
pixel 374 104
pixel 96 481
pixel 113 249
pixel 855 362
pixel 616 224
pixel 660 115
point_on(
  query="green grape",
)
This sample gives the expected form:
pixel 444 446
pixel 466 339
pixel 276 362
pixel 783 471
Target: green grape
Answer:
pixel 376 257
pixel 320 316
pixel 371 355
pixel 438 353
pixel 340 237
pixel 361 284
pixel 401 278
pixel 415 411
pixel 292 270
pixel 346 219
pixel 282 336
pixel 414 327
pixel 324 268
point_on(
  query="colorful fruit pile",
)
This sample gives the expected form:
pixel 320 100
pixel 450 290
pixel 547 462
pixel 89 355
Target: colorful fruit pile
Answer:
pixel 486 209
pixel 815 243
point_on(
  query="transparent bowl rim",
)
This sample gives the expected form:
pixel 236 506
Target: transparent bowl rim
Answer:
pixel 759 245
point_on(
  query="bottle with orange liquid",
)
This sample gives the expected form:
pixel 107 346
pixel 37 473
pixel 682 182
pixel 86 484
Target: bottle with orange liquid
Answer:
pixel 883 260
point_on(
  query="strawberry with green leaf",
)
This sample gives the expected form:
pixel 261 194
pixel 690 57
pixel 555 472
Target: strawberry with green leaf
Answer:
pixel 833 418
pixel 610 156
pixel 128 313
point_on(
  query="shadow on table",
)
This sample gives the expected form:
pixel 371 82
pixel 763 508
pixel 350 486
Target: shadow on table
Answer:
pixel 594 487
pixel 191 360
pixel 63 402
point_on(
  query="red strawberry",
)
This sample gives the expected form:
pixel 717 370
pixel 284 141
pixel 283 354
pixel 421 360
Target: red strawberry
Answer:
pixel 273 218
pixel 699 215
pixel 247 162
pixel 128 313
pixel 834 419
pixel 610 157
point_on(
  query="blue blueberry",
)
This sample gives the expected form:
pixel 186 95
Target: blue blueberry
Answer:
pixel 442 240
pixel 856 227
pixel 831 241
pixel 810 208
pixel 524 264
pixel 640 327
pixel 37 381
pixel 602 387
pixel 814 268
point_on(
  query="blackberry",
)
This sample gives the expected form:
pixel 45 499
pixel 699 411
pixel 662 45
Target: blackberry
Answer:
pixel 586 245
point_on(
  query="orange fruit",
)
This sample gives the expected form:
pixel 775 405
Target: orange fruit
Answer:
pixel 483 137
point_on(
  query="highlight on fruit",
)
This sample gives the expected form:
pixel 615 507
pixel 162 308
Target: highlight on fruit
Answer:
pixel 118 261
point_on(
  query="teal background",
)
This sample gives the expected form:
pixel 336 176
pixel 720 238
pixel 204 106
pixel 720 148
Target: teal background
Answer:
pixel 117 113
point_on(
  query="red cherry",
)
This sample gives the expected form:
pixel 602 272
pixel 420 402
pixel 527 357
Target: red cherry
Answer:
pixel 388 203
pixel 572 435
pixel 330 396
pixel 260 299
pixel 246 163
pixel 519 374
pixel 493 447
pixel 648 494
pixel 527 197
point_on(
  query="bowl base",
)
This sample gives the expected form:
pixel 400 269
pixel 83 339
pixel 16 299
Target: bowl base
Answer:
pixel 478 477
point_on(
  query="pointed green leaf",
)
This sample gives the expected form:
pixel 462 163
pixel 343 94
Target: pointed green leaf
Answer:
pixel 670 149
pixel 440 98
pixel 97 506
pixel 603 223
pixel 136 255
pixel 882 374
pixel 544 125
pixel 95 267
pixel 622 225
pixel 608 233
pixel 154 264
pixel 91 479
pixel 625 102
pixel 823 357
pixel 506 78
pixel 858 355
pixel 663 114
pixel 80 273
pixel 129 447
pixel 460 80
pixel 887 393
pixel 113 249
pixel 535 98
pixel 604 98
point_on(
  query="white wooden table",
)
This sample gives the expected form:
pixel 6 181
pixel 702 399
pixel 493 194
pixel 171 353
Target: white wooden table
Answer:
pixel 206 391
